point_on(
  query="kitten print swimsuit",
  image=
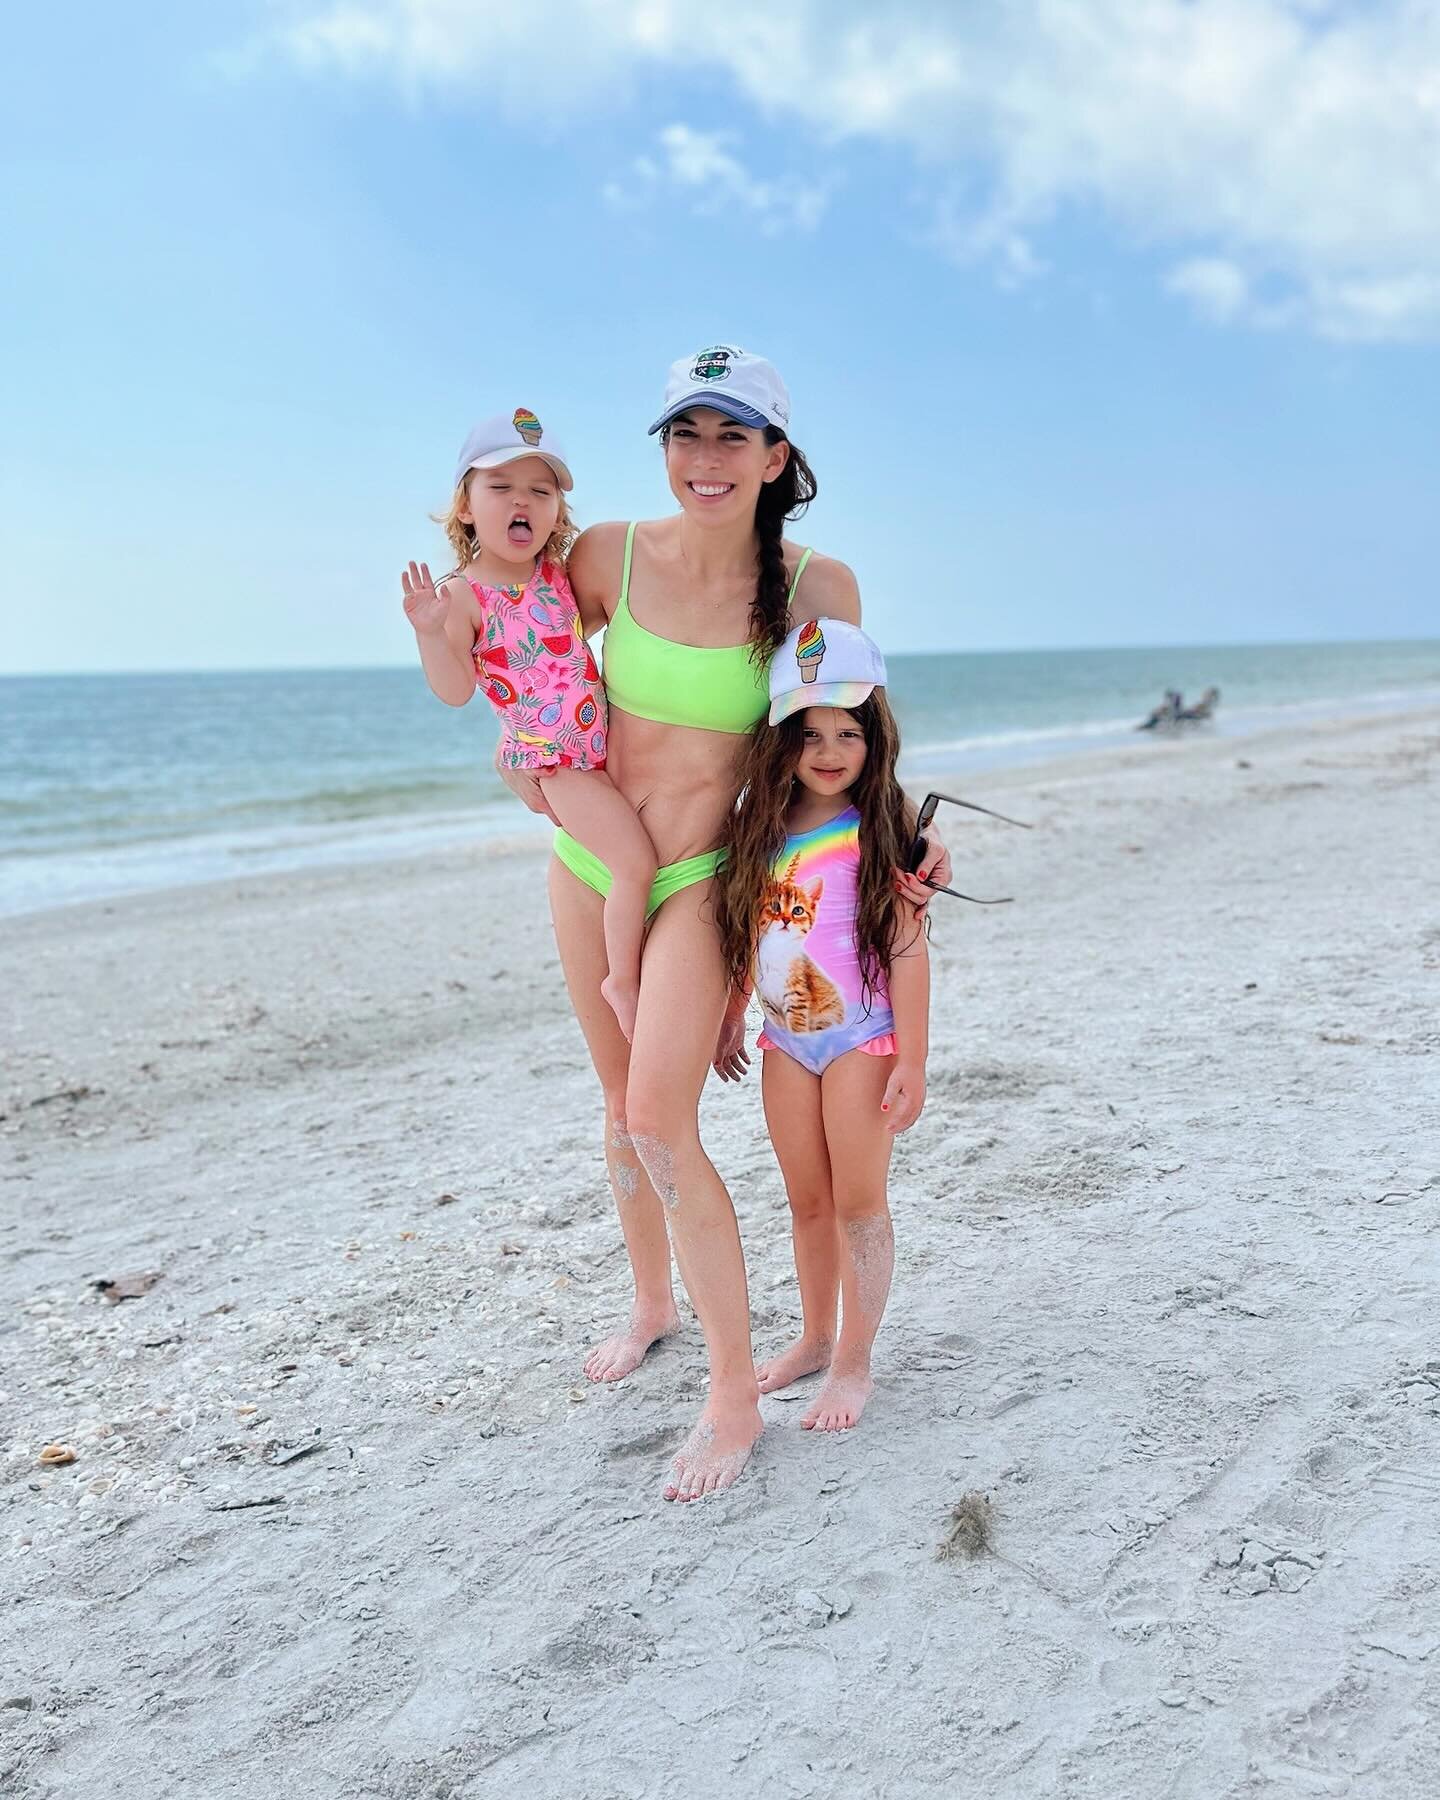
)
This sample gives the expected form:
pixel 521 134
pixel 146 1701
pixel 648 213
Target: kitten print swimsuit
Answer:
pixel 534 667
pixel 807 966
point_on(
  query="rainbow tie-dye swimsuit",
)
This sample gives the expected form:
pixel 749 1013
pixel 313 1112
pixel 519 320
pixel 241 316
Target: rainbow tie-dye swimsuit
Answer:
pixel 807 968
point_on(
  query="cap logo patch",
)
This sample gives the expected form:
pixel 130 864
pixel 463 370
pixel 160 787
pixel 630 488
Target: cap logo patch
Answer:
pixel 527 425
pixel 712 365
pixel 810 650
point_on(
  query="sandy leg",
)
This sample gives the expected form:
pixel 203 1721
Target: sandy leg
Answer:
pixel 620 1355
pixel 841 1400
pixel 577 914
pixel 804 1357
pixel 716 1451
pixel 797 1131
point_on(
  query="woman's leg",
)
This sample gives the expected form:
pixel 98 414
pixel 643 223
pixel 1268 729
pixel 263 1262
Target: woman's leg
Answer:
pixel 797 1131
pixel 596 814
pixel 682 997
pixel 579 932
pixel 851 1090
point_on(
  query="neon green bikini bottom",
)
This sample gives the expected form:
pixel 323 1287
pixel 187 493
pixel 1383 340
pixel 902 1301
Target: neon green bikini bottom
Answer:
pixel 670 880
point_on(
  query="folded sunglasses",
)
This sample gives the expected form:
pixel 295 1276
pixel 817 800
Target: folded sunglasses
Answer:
pixel 917 848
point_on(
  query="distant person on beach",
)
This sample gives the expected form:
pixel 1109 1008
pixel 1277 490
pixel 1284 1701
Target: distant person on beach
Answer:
pixel 695 606
pixel 508 622
pixel 1166 713
pixel 810 915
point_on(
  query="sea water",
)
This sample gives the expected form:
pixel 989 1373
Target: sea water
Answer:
pixel 117 783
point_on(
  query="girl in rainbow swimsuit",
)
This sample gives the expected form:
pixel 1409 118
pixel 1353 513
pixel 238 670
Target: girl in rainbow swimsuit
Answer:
pixel 810 918
pixel 508 622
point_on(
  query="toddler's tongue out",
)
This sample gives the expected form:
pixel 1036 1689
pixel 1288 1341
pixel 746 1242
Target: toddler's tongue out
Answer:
pixel 519 532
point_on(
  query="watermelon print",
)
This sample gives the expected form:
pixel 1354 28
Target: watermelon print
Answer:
pixel 533 665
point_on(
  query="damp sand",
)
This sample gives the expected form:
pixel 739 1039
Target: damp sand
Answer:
pixel 345 1519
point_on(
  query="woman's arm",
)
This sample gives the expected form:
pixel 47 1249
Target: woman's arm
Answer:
pixel 910 1003
pixel 595 566
pixel 731 1059
pixel 827 590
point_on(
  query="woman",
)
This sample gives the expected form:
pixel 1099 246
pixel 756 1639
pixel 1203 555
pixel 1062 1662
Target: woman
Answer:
pixel 695 604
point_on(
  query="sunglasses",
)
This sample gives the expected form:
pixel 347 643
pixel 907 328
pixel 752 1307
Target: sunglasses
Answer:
pixel 917 848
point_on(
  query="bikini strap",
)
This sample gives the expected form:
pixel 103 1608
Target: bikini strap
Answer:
pixel 805 556
pixel 625 574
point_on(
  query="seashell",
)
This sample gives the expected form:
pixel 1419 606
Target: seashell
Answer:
pixel 54 1456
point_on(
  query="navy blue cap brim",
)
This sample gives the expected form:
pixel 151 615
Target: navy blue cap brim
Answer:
pixel 721 403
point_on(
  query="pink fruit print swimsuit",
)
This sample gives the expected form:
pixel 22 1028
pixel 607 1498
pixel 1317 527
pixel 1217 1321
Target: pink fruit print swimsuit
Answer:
pixel 536 670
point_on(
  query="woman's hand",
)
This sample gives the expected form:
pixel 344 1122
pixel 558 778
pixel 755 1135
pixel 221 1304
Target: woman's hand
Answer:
pixel 934 868
pixel 426 608
pixel 731 1059
pixel 526 785
pixel 904 1096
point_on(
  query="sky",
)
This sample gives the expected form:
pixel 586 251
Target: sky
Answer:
pixel 1104 321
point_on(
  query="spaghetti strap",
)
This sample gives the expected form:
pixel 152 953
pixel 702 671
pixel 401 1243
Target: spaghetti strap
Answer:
pixel 625 575
pixel 795 580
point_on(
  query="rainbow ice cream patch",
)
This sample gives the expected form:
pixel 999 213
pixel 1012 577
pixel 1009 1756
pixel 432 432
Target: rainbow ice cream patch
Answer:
pixel 809 649
pixel 527 425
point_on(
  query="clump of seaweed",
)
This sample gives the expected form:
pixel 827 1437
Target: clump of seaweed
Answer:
pixel 968 1531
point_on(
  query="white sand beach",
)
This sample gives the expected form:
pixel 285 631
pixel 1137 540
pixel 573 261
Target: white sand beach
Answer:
pixel 1165 1293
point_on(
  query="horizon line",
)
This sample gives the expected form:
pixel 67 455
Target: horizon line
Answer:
pixel 318 668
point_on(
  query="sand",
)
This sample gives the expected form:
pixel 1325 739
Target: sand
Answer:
pixel 1165 1296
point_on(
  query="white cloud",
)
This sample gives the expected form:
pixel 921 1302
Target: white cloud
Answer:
pixel 1216 287
pixel 702 167
pixel 1296 143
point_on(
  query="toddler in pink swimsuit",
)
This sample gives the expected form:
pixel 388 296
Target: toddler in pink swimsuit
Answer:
pixel 507 623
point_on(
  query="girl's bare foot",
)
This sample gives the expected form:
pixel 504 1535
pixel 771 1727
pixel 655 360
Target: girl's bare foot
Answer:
pixel 623 999
pixel 840 1401
pixel 716 1451
pixel 622 1354
pixel 802 1358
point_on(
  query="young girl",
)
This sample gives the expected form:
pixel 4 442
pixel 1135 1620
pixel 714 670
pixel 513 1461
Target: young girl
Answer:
pixel 508 622
pixel 809 914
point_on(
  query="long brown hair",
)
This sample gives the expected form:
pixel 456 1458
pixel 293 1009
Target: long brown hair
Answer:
pixel 756 835
pixel 781 500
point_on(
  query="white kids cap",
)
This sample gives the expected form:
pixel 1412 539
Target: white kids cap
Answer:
pixel 506 438
pixel 823 662
pixel 745 388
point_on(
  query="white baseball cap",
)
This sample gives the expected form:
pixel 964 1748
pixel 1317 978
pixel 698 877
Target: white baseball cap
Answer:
pixel 823 662
pixel 506 438
pixel 745 388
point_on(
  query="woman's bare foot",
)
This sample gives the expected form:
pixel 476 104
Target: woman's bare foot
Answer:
pixel 802 1358
pixel 622 1354
pixel 623 999
pixel 715 1453
pixel 840 1401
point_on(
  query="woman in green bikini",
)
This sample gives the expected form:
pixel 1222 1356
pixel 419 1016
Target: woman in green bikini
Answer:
pixel 694 604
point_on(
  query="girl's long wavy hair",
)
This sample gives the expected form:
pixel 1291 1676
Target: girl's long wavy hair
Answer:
pixel 465 545
pixel 756 835
pixel 781 500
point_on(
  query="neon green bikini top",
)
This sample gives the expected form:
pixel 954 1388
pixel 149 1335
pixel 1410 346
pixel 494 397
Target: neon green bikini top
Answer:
pixel 682 684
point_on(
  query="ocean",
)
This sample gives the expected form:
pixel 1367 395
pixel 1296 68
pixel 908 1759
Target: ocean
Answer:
pixel 114 784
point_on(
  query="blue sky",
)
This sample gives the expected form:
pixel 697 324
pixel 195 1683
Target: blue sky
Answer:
pixel 1105 324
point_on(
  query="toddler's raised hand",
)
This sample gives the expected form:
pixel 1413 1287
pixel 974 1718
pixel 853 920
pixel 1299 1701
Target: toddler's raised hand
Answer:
pixel 426 609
